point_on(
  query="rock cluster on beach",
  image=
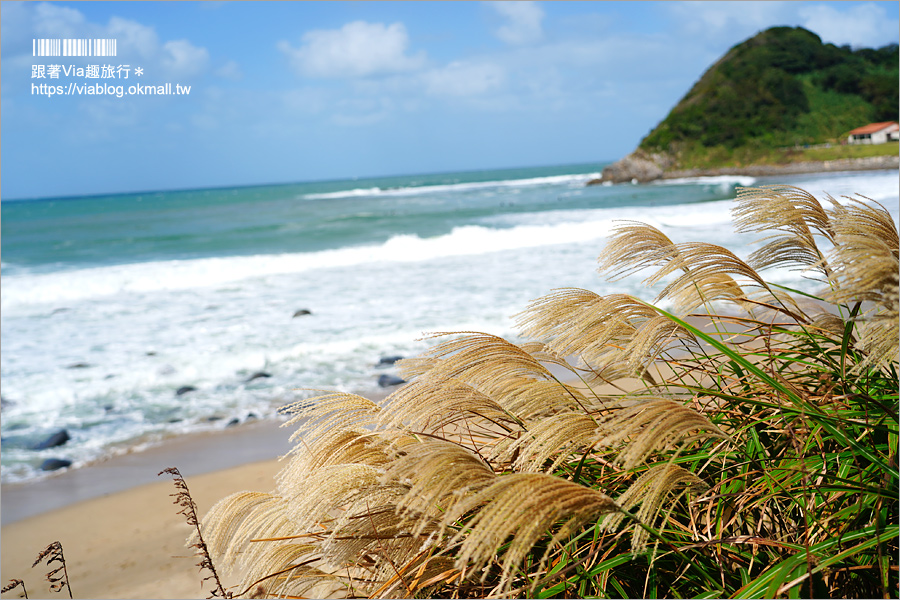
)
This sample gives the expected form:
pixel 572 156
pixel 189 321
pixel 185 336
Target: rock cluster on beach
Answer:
pixel 54 440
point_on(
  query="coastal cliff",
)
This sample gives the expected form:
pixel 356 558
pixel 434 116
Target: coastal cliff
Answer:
pixel 759 108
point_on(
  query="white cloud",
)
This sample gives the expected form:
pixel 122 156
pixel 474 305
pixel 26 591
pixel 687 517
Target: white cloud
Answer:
pixel 357 49
pixel 718 23
pixel 51 20
pixel 465 79
pixel 230 70
pixel 204 121
pixel 860 25
pixel 137 44
pixel 523 22
pixel 132 36
pixel 180 58
pixel 306 100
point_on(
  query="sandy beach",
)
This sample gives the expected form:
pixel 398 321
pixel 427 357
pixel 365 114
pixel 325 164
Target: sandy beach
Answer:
pixel 121 534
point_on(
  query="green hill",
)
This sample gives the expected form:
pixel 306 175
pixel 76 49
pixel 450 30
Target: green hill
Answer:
pixel 780 89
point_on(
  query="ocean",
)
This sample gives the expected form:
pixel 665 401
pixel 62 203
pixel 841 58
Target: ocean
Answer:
pixel 110 305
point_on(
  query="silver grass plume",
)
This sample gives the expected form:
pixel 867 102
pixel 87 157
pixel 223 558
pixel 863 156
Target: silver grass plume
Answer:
pixel 644 425
pixel 633 247
pixel 437 475
pixel 480 359
pixel 580 323
pixel 522 506
pixel 649 490
pixel 706 275
pixel 790 210
pixel 865 263
pixel 548 442
pixel 427 404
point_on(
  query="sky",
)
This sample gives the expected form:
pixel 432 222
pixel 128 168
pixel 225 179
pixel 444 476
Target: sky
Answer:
pixel 284 92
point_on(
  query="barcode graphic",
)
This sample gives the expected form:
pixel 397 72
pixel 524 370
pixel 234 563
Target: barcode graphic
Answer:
pixel 73 47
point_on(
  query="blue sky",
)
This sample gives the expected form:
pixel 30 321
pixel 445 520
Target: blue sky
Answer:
pixel 284 91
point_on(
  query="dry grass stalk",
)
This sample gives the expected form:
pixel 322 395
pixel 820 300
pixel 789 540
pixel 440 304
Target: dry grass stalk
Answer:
pixel 189 510
pixel 58 577
pixel 14 583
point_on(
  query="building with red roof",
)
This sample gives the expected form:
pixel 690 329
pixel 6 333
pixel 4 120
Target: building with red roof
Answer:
pixel 875 133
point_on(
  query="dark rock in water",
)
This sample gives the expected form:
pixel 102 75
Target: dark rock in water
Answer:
pixel 388 360
pixel 302 312
pixel 258 375
pixel 151 353
pixel 185 389
pixel 251 416
pixel 57 439
pixel 214 418
pixel 79 365
pixel 233 422
pixel 4 402
pixel 595 181
pixel 389 380
pixel 52 464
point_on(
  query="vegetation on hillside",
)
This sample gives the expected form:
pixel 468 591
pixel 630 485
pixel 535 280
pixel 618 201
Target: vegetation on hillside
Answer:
pixel 717 157
pixel 783 87
pixel 741 442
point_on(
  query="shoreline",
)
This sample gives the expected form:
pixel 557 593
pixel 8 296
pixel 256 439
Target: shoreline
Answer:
pixel 193 454
pixel 871 163
pixel 640 168
pixel 196 453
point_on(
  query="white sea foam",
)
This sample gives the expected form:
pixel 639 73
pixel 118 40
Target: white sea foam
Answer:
pixel 44 292
pixel 881 186
pixel 721 180
pixel 457 187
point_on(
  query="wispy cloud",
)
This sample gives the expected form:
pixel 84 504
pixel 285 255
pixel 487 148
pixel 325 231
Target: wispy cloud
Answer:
pixel 858 26
pixel 523 22
pixel 357 49
pixel 230 70
pixel 182 59
pixel 464 79
pixel 137 43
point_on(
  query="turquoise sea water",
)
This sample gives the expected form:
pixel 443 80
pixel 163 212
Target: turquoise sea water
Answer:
pixel 63 233
pixel 110 304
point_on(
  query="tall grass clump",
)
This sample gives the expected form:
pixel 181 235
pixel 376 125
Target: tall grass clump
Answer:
pixel 740 442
